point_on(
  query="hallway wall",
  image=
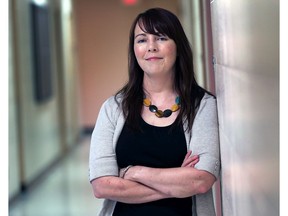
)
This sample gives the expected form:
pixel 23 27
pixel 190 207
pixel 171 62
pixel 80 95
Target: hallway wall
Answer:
pixel 37 137
pixel 246 51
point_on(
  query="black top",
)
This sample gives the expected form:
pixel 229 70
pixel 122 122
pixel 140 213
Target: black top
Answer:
pixel 158 147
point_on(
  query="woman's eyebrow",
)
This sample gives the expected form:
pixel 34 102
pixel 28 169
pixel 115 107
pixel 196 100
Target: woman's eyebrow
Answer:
pixel 142 34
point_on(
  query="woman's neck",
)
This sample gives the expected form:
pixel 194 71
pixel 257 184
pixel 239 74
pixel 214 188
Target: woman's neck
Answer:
pixel 159 91
pixel 160 85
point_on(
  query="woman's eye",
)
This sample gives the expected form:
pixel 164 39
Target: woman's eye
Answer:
pixel 140 40
pixel 163 38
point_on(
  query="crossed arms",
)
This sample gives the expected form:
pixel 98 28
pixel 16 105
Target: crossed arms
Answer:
pixel 144 184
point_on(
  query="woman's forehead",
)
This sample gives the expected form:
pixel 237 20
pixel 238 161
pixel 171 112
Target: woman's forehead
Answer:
pixel 148 28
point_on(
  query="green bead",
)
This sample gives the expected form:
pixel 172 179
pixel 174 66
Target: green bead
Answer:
pixel 178 100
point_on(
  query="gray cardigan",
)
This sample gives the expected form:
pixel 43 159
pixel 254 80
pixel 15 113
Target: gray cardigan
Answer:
pixel 203 140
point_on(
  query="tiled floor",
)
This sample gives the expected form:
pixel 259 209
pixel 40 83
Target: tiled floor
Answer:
pixel 65 192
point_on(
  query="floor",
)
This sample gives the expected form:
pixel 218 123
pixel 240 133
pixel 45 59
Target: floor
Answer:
pixel 65 191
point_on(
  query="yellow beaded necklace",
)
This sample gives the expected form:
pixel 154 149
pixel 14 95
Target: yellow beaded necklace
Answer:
pixel 159 113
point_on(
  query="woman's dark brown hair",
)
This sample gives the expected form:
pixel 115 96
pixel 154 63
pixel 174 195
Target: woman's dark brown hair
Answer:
pixel 160 21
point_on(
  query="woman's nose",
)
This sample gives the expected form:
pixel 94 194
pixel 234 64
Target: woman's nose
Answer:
pixel 152 50
pixel 152 47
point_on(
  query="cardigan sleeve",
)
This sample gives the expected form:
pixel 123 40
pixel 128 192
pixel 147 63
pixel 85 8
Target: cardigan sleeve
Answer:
pixel 205 136
pixel 102 157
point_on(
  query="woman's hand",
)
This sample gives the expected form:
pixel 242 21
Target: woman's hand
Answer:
pixel 190 161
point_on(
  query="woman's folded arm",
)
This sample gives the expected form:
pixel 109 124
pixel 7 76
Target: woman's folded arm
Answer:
pixel 174 182
pixel 122 190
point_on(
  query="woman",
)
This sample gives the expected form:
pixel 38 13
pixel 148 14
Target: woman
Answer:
pixel 141 158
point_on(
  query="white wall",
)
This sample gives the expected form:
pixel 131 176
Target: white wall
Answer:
pixel 246 49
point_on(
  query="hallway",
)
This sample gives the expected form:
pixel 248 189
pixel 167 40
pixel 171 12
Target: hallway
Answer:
pixel 236 53
pixel 64 192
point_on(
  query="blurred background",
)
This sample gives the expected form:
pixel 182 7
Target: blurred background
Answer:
pixel 67 56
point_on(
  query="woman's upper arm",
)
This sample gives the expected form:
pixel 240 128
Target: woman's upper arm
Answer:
pixel 205 137
pixel 102 158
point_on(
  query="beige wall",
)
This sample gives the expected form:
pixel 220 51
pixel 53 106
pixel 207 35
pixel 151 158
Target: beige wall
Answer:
pixel 102 29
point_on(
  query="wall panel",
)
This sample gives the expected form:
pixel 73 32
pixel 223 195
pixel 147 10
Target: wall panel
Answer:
pixel 246 51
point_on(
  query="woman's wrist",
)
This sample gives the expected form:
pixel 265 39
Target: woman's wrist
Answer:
pixel 136 173
pixel 124 171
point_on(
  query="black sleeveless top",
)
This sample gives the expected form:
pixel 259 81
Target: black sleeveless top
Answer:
pixel 158 147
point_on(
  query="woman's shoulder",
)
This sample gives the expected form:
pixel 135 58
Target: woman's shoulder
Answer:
pixel 208 103
pixel 112 103
pixel 208 97
pixel 111 107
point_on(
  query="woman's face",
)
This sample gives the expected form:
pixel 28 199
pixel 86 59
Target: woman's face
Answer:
pixel 156 54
